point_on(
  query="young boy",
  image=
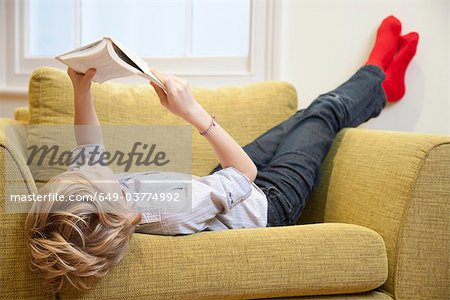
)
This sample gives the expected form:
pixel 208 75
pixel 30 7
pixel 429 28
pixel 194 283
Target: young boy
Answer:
pixel 266 183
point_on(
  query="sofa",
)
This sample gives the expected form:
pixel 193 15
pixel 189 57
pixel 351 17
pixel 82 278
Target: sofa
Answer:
pixel 375 227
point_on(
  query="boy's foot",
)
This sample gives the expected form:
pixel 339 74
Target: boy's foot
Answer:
pixel 394 83
pixel 386 43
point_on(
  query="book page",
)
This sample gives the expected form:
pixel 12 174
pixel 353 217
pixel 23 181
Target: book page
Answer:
pixel 84 50
pixel 125 58
pixel 135 61
pixel 107 67
pixel 142 65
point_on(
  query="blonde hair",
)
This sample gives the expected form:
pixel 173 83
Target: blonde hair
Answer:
pixel 75 243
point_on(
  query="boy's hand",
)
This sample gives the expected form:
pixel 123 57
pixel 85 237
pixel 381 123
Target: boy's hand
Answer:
pixel 178 100
pixel 81 82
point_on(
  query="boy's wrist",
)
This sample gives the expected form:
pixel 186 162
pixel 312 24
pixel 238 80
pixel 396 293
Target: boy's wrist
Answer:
pixel 81 93
pixel 199 118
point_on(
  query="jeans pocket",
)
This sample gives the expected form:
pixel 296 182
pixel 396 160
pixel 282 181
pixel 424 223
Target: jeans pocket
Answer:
pixel 280 206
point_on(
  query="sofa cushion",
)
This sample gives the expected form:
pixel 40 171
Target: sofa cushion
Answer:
pixel 318 259
pixel 245 111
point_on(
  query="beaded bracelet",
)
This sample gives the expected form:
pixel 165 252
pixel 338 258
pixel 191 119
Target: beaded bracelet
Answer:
pixel 211 126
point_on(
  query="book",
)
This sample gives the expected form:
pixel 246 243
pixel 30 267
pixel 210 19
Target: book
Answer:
pixel 110 58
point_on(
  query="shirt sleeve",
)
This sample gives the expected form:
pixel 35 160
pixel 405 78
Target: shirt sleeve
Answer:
pixel 88 154
pixel 211 195
pixel 229 186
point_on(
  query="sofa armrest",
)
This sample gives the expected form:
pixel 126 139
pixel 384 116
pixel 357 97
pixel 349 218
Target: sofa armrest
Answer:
pixel 22 115
pixel 14 157
pixel 246 264
pixel 397 184
pixel 16 280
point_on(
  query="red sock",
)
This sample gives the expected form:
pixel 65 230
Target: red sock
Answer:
pixel 386 43
pixel 394 83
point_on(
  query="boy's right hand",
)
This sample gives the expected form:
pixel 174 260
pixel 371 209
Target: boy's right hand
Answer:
pixel 81 82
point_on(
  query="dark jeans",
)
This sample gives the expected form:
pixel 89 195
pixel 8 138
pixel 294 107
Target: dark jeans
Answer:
pixel 289 155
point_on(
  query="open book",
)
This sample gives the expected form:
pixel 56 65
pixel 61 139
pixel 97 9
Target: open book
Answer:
pixel 110 58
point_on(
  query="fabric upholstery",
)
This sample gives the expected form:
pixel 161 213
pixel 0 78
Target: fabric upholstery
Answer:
pixel 22 115
pixel 249 263
pixel 16 281
pixel 423 269
pixel 362 296
pixel 398 185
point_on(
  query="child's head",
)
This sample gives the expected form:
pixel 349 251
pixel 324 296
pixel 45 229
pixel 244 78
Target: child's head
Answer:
pixel 75 242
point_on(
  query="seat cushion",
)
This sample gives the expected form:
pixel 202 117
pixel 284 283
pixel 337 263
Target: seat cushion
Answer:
pixel 318 259
pixel 372 295
pixel 244 111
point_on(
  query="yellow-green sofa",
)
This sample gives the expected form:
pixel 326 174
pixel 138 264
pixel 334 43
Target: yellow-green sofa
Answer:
pixel 376 227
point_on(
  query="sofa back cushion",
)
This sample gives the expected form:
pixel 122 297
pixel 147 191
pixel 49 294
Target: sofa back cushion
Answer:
pixel 244 111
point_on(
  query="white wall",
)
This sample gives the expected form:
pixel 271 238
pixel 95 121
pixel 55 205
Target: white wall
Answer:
pixel 325 41
pixel 9 104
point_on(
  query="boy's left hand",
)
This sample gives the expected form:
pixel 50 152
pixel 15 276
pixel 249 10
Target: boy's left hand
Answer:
pixel 178 99
pixel 81 82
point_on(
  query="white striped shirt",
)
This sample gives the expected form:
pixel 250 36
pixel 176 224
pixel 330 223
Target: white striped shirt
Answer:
pixel 223 200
